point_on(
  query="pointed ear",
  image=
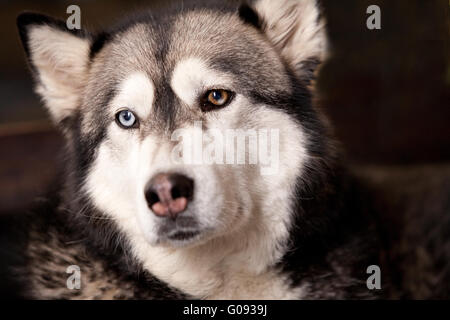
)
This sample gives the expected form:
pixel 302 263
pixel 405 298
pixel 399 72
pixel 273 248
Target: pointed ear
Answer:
pixel 58 58
pixel 294 27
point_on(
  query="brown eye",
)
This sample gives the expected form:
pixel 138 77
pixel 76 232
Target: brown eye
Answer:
pixel 215 99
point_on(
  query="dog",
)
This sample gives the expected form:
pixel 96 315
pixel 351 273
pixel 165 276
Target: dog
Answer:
pixel 140 217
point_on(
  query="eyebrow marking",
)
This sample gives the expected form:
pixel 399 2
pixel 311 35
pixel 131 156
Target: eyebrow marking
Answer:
pixel 136 92
pixel 192 76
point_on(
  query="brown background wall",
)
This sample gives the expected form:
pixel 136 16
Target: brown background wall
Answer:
pixel 387 91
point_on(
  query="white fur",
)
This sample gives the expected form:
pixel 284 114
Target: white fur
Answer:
pixel 136 93
pixel 191 77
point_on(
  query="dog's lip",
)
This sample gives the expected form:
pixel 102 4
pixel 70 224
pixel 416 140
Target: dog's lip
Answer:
pixel 181 235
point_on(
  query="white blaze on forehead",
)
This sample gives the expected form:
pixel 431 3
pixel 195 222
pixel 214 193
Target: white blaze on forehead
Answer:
pixel 192 76
pixel 136 93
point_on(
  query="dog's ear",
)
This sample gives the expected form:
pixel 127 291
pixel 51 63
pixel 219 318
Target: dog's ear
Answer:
pixel 58 58
pixel 294 27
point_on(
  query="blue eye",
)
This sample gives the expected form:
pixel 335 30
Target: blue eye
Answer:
pixel 126 119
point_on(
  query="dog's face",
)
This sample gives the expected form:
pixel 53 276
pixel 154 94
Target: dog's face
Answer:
pixel 187 128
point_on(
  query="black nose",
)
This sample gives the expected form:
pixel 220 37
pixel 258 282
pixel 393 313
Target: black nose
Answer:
pixel 169 194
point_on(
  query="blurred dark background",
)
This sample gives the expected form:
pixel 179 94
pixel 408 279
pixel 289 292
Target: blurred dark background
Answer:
pixel 386 91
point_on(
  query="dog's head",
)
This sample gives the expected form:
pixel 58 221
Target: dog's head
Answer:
pixel 189 127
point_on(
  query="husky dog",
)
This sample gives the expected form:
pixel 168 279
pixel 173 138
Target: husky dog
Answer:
pixel 137 224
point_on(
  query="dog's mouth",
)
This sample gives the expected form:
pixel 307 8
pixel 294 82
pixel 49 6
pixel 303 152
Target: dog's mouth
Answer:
pixel 180 238
pixel 181 231
pixel 183 235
